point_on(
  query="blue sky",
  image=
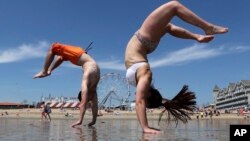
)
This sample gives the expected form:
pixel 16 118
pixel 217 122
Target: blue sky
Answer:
pixel 29 27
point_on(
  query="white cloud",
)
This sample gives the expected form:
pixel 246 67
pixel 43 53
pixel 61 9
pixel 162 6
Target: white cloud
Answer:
pixel 113 65
pixel 185 55
pixel 195 52
pixel 23 52
pixel 240 49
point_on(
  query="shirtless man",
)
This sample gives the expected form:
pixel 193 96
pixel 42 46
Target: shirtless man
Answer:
pixel 77 56
pixel 145 41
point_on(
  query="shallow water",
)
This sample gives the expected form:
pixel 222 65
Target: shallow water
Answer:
pixel 113 130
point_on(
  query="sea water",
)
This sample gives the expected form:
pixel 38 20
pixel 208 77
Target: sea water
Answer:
pixel 12 129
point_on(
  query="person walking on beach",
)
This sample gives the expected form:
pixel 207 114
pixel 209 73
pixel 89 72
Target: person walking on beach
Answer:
pixel 77 56
pixel 43 114
pixel 145 41
pixel 47 110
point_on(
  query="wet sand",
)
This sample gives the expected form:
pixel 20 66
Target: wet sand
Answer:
pixel 26 124
pixel 33 129
pixel 73 114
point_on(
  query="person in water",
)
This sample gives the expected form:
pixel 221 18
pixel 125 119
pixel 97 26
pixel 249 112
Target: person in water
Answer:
pixel 77 56
pixel 145 41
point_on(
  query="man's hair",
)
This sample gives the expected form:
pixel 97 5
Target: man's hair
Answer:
pixel 80 96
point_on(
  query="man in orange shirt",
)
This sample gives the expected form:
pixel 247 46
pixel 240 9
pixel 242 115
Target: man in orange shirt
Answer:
pixel 77 56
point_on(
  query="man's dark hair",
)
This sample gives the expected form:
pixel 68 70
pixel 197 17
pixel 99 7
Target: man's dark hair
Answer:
pixel 80 96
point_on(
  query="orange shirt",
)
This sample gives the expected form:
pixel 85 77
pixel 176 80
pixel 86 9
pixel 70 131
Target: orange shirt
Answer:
pixel 68 52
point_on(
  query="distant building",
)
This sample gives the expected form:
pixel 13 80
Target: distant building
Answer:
pixel 61 102
pixel 209 107
pixel 12 105
pixel 234 96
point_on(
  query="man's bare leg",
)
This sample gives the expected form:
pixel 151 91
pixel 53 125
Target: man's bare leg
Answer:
pixel 48 60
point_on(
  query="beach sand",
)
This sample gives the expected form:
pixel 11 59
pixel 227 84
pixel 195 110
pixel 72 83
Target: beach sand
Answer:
pixel 117 114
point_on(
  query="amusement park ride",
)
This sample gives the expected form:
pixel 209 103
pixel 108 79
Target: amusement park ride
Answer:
pixel 113 91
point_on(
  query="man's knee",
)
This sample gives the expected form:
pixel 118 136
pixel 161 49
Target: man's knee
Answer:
pixel 174 4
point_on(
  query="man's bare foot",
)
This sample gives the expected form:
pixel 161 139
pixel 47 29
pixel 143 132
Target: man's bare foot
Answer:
pixel 76 124
pixel 151 131
pixel 205 38
pixel 91 123
pixel 214 29
pixel 41 74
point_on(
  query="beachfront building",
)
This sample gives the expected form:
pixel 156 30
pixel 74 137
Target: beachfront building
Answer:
pixel 13 105
pixel 234 96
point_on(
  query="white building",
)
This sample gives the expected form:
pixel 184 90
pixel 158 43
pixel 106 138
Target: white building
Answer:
pixel 234 96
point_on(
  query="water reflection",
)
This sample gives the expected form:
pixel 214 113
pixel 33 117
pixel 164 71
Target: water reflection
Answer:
pixel 86 133
pixel 79 133
pixel 113 130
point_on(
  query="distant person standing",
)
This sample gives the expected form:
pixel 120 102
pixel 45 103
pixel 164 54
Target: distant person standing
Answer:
pixel 48 110
pixel 241 111
pixel 43 114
